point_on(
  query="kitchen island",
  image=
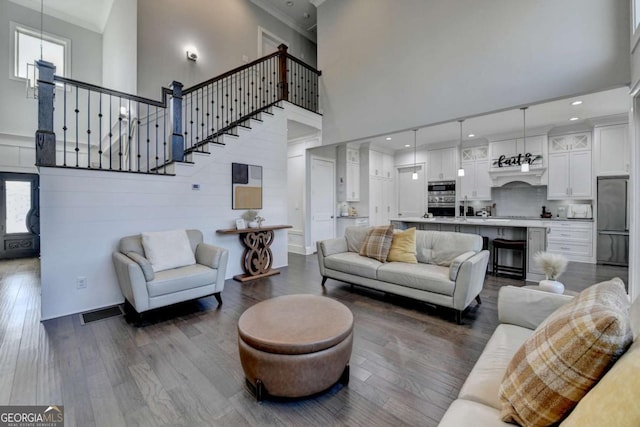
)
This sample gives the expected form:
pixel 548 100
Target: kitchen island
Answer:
pixel 573 238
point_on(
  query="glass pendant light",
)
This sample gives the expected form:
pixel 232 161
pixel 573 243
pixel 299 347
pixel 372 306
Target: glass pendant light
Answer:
pixel 414 175
pixel 524 167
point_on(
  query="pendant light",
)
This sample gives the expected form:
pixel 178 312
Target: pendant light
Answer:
pixel 414 176
pixel 461 170
pixel 524 167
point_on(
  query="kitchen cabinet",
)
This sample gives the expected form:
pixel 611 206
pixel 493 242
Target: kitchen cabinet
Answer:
pixel 536 242
pixel 348 175
pixel 381 164
pixel 570 169
pixel 476 182
pixel 572 239
pixel 613 151
pixel 381 200
pixel 441 164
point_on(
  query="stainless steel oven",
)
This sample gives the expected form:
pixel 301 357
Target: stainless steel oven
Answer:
pixel 441 198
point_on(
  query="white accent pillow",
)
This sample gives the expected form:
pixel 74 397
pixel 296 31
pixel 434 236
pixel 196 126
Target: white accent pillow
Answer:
pixel 167 249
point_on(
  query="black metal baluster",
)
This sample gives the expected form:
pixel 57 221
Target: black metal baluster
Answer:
pixel 191 120
pixel 164 133
pixel 227 102
pixel 77 137
pixel 64 128
pixel 157 126
pixel 197 113
pixel 119 133
pixel 129 136
pixel 100 134
pixel 88 129
pixel 213 108
pixel 110 134
pixel 148 142
pixel 138 122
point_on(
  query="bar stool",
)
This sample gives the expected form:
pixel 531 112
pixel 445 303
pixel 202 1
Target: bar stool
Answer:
pixel 515 245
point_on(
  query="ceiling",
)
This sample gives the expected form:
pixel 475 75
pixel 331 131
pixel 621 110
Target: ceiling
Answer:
pixel 89 14
pixel 298 14
pixel 542 116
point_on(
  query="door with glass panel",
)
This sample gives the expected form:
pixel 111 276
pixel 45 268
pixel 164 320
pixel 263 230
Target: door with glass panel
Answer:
pixel 19 215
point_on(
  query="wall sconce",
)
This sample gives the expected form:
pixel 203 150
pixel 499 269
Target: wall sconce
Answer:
pixel 192 54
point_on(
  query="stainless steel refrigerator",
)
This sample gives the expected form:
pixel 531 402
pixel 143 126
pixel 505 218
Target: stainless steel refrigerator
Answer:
pixel 613 221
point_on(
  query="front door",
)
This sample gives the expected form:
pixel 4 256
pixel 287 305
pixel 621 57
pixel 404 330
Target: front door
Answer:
pixel 19 215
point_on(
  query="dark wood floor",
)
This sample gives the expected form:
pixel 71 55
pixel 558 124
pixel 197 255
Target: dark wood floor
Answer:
pixel 409 359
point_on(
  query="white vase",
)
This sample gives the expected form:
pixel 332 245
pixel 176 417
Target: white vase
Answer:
pixel 552 286
pixel 253 224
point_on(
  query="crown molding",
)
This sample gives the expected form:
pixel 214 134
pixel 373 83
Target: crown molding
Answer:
pixel 284 19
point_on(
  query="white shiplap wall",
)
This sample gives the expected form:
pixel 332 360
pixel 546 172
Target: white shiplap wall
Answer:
pixel 85 213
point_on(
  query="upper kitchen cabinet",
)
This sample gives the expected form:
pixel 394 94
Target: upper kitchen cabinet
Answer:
pixel 506 158
pixel 612 148
pixel 441 164
pixel 570 168
pixel 348 174
pixel 380 164
pixel 476 182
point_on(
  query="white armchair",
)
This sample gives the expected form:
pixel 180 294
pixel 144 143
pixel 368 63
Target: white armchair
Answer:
pixel 145 289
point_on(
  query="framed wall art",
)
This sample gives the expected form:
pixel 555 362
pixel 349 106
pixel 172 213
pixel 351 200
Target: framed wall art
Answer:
pixel 246 186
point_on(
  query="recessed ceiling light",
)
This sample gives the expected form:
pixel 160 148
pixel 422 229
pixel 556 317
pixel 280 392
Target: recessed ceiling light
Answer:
pixel 289 3
pixel 573 119
pixel 471 135
pixel 407 145
pixel 574 103
pixel 388 138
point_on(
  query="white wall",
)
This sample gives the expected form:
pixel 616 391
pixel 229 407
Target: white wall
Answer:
pixel 221 31
pixel 19 115
pixel 84 213
pixel 119 47
pixel 392 65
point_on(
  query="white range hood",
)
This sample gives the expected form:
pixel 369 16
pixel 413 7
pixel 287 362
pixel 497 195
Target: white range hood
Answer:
pixel 504 176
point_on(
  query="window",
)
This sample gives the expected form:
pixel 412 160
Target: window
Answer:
pixel 26 50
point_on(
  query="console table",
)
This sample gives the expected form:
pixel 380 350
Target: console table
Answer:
pixel 257 257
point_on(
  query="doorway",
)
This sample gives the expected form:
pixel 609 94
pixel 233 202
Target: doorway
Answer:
pixel 19 215
pixel 322 206
pixel 268 42
pixel 411 196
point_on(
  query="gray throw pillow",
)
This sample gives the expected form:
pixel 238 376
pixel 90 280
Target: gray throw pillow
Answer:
pixel 144 264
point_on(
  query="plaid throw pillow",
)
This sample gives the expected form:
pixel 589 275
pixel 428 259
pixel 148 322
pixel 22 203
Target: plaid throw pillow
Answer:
pixel 566 356
pixel 377 243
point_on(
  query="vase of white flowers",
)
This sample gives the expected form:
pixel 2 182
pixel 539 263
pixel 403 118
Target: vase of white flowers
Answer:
pixel 251 217
pixel 553 266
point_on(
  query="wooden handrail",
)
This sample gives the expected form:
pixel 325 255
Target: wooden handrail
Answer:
pixel 99 89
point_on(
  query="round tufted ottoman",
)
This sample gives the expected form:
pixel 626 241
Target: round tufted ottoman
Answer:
pixel 295 345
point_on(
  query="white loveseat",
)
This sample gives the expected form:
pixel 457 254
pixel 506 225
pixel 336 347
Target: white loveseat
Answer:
pixel 450 271
pixel 520 311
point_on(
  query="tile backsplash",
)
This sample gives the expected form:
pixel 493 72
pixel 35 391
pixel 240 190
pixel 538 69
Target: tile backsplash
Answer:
pixel 521 199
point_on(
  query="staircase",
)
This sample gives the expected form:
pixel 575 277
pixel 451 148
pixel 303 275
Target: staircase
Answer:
pixel 90 127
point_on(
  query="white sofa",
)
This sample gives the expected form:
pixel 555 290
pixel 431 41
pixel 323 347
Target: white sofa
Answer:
pixel 450 271
pixel 145 290
pixel 520 311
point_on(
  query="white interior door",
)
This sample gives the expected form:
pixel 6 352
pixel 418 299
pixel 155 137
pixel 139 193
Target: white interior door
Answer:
pixel 268 42
pixel 411 193
pixel 323 200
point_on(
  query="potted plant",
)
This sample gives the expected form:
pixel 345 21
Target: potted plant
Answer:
pixel 553 266
pixel 251 217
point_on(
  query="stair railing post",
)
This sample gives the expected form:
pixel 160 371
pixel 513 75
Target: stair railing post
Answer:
pixel 45 137
pixel 282 72
pixel 177 137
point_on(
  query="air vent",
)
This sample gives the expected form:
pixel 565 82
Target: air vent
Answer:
pixel 103 313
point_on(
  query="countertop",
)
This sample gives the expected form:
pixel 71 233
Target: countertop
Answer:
pixel 352 217
pixel 493 221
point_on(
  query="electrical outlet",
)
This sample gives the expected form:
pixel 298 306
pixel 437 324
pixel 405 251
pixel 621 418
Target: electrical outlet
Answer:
pixel 81 282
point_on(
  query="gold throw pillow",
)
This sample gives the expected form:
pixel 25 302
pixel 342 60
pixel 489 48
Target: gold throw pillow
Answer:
pixel 403 246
